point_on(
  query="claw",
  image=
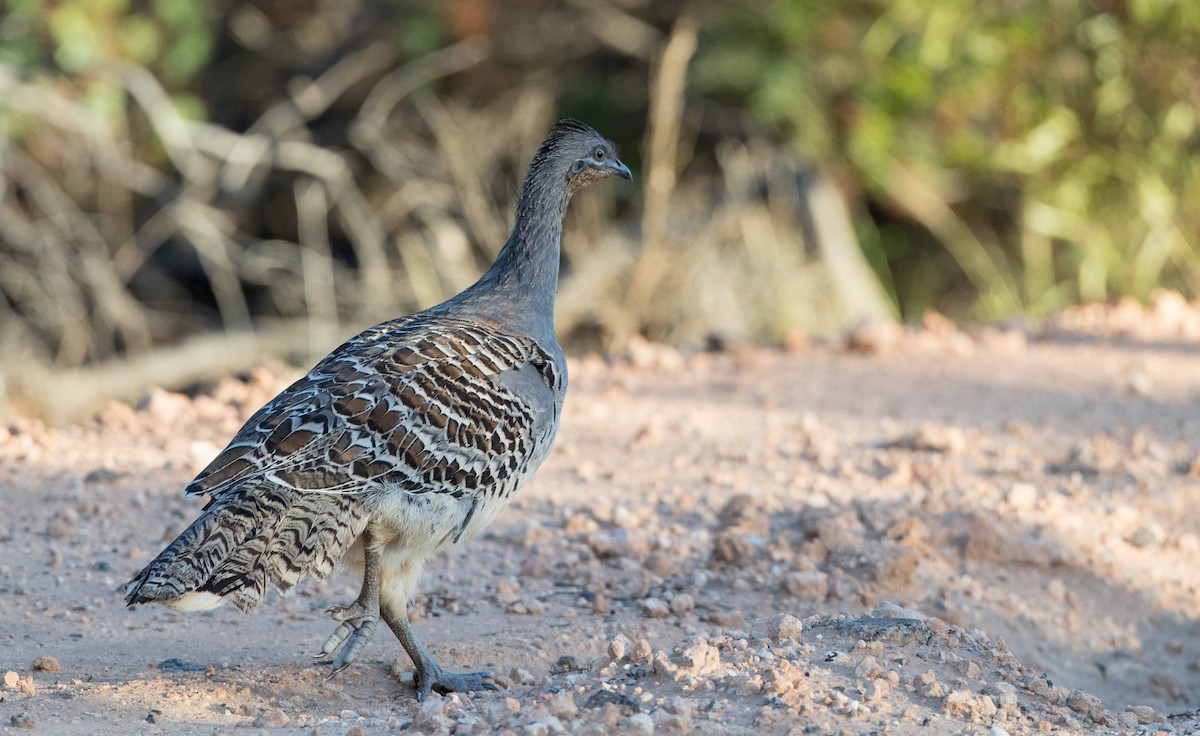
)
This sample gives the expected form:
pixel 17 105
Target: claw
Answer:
pixel 350 637
pixel 454 682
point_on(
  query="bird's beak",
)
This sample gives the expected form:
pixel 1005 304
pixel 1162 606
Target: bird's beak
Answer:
pixel 620 169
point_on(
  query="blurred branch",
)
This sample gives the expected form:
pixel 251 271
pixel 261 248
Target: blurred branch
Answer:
pixel 919 199
pixel 61 396
pixel 666 111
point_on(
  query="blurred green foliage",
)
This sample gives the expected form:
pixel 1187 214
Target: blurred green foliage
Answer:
pixel 173 38
pixel 1050 147
pixel 1001 157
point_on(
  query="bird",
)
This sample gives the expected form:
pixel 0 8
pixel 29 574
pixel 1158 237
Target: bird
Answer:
pixel 411 436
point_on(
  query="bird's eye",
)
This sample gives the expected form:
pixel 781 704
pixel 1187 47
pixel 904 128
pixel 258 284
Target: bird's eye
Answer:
pixel 598 154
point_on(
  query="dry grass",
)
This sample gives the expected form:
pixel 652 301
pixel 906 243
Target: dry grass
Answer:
pixel 422 197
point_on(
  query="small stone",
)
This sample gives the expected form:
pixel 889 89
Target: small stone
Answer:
pixel 874 337
pixel 1139 384
pixel 431 716
pixel 699 656
pixel 654 608
pixel 875 690
pixel 272 718
pixel 960 704
pixel 641 724
pixel 522 676
pixel 887 609
pixel 22 720
pixel 783 626
pixel 45 664
pixel 619 647
pixel 682 603
pixel 11 679
pixel 998 731
pixel 537 728
pixel 600 604
pixel 1145 714
pixel 727 619
pixel 807 585
pixel 1087 705
pixel 562 705
pixel 1022 496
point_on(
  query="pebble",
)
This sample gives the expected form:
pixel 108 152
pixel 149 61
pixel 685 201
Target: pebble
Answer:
pixel 783 626
pixel 1087 705
pixel 431 716
pixel 806 585
pixel 1145 714
pixel 1022 496
pixel 682 603
pixel 654 608
pixel 45 664
pixel 272 718
pixel 522 676
pixel 641 723
pixel 699 656
pixel 22 720
pixel 887 609
pixel 618 647
pixel 11 679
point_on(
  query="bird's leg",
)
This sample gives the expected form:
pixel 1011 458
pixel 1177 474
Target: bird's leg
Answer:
pixel 430 676
pixel 360 618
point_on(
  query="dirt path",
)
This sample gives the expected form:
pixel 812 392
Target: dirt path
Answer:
pixel 943 534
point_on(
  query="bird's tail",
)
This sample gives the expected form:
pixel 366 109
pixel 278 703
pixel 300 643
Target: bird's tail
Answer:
pixel 246 539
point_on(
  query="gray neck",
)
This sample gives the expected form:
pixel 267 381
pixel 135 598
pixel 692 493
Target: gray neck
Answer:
pixel 520 287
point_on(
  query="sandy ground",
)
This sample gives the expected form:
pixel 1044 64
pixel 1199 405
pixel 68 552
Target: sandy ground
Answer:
pixel 918 532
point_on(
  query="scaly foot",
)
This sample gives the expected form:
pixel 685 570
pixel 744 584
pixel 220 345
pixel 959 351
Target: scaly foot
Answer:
pixel 452 682
pixel 357 628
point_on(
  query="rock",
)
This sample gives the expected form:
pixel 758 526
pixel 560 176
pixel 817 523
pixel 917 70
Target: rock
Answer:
pixel 682 603
pixel 1022 496
pixel 875 690
pixel 807 585
pixel 562 705
pixel 1006 697
pixel 537 728
pixel 11 679
pixel 101 475
pixel 1088 706
pixel 698 656
pixel 272 718
pixel 522 676
pixel 641 724
pixel 727 619
pixel 873 337
pixel 619 543
pixel 45 664
pixel 619 647
pixel 22 720
pixel 887 609
pixel 508 592
pixel 783 626
pixel 960 704
pixel 654 608
pixel 1145 714
pixel 431 716
pixel 165 407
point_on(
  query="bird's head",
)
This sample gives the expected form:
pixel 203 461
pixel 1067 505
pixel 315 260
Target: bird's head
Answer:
pixel 581 154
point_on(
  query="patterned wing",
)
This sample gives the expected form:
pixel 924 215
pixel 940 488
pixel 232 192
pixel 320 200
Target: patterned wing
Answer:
pixel 446 406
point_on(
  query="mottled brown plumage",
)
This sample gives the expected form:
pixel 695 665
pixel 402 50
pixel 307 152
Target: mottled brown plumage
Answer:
pixel 408 437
